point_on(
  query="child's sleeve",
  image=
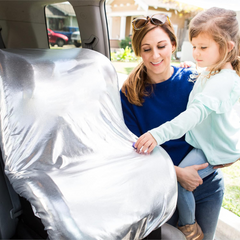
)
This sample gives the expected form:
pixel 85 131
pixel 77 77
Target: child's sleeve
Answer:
pixel 181 124
pixel 219 94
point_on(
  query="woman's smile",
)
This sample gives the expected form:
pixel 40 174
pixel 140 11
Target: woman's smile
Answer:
pixel 157 63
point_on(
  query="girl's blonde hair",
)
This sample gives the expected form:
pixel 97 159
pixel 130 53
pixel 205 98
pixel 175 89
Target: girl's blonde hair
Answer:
pixel 222 25
pixel 138 85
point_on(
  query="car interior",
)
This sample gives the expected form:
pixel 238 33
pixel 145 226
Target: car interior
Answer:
pixel 25 54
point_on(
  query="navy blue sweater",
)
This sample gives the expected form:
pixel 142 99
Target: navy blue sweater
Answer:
pixel 167 101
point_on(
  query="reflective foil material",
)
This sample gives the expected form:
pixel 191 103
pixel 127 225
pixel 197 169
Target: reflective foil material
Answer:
pixel 67 150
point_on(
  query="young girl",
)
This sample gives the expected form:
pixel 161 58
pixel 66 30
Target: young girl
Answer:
pixel 211 125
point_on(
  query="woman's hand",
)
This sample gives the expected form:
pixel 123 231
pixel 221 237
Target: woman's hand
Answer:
pixel 188 177
pixel 145 143
pixel 224 165
pixel 187 64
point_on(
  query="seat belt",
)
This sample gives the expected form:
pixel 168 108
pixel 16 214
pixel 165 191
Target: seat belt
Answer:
pixel 91 42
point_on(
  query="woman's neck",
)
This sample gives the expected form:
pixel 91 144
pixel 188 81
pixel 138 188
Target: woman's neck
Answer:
pixel 161 77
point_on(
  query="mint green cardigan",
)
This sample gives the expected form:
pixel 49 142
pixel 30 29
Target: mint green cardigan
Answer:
pixel 210 121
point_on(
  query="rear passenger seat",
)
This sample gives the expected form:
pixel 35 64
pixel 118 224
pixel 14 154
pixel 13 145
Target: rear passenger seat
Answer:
pixel 67 151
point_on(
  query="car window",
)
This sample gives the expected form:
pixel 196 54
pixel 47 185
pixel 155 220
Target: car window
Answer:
pixel 62 26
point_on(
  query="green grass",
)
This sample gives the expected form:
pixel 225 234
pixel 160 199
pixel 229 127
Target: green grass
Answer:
pixel 124 67
pixel 231 199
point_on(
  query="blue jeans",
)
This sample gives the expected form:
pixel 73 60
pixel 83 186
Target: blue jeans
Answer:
pixel 186 201
pixel 208 198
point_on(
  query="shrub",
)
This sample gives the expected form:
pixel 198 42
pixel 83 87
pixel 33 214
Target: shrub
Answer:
pixel 124 55
pixel 127 42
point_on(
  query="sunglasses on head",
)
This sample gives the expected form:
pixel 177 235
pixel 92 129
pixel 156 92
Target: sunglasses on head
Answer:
pixel 156 19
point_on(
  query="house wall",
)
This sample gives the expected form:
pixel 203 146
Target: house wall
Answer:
pixel 238 17
pixel 129 9
pixel 116 21
pixel 114 43
pixel 128 25
pixel 59 16
pixel 178 19
pixel 73 21
pixel 123 5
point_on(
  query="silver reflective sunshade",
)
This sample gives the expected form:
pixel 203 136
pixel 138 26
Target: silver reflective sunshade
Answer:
pixel 67 150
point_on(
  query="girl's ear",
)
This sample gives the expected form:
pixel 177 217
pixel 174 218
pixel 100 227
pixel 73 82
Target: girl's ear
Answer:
pixel 231 45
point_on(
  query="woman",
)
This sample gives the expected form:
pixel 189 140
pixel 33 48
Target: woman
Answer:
pixel 156 92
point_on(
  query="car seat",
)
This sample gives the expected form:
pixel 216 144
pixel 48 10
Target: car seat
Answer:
pixel 67 151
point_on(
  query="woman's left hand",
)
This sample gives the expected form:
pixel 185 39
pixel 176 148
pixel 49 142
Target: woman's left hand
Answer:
pixel 223 165
pixel 145 143
pixel 187 64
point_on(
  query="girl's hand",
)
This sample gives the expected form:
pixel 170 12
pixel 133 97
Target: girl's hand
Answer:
pixel 145 143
